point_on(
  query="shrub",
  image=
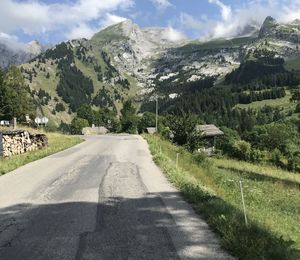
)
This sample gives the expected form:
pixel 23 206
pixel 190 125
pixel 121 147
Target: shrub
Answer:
pixel 199 157
pixel 242 150
pixel 276 158
pixel 257 156
pixel 77 125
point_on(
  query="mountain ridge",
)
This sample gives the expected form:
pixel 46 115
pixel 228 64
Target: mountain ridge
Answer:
pixel 124 60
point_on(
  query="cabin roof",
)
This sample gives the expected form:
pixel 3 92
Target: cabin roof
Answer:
pixel 209 130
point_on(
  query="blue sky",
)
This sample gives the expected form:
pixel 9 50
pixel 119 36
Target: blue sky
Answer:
pixel 53 21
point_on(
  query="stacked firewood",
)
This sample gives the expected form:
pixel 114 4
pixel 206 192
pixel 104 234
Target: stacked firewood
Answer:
pixel 19 142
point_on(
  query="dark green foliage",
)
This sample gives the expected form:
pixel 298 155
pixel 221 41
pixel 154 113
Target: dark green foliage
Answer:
pixel 74 87
pixel 267 70
pixel 86 112
pixel 296 96
pixel 110 71
pixel 103 99
pixel 253 69
pixel 59 107
pixel 105 117
pixel 129 120
pixel 244 98
pixel 15 99
pixel 64 128
pixel 226 142
pixel 147 120
pixel 78 124
pixel 274 136
pixel 61 51
pixel 124 83
pixel 44 97
pixel 182 128
pixel 297 110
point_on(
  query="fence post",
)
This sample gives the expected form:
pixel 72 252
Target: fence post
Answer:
pixel 15 123
pixel 177 157
pixel 242 193
pixel 1 145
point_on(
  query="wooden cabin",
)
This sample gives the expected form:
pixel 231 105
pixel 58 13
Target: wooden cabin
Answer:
pixel 209 133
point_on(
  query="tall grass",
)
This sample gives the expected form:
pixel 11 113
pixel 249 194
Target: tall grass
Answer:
pixel 265 170
pixel 57 142
pixel 272 204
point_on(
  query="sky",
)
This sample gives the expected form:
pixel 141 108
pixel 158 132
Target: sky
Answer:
pixel 53 21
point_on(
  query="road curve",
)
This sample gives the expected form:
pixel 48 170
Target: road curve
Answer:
pixel 102 199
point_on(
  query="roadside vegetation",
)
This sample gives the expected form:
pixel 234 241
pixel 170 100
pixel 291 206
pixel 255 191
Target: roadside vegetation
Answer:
pixel 56 143
pixel 272 198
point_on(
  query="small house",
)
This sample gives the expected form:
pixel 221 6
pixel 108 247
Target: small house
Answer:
pixel 209 133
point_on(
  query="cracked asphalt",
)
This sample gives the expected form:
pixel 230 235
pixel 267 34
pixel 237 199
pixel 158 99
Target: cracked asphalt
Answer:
pixel 102 199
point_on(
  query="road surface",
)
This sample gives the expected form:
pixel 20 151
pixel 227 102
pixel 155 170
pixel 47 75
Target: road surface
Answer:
pixel 102 199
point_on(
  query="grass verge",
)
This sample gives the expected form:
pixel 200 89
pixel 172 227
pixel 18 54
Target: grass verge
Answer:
pixel 57 143
pixel 272 207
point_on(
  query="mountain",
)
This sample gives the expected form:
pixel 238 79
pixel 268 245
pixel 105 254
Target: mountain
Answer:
pixel 15 54
pixel 125 60
pixel 281 31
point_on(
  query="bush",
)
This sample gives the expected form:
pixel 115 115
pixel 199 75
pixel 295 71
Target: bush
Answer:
pixel 147 120
pixel 199 157
pixel 59 107
pixel 129 120
pixel 257 156
pixel 276 158
pixel 294 162
pixel 78 124
pixel 226 142
pixel 242 150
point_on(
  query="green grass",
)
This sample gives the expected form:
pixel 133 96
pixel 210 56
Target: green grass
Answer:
pixel 284 102
pixel 57 143
pixel 263 170
pixel 293 63
pixel 215 44
pixel 272 201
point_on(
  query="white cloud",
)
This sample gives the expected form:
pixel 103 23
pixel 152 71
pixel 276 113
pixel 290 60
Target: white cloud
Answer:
pixel 162 4
pixel 12 42
pixel 111 19
pixel 225 9
pixel 233 21
pixel 81 31
pixel 189 21
pixel 34 17
pixel 290 12
pixel 174 35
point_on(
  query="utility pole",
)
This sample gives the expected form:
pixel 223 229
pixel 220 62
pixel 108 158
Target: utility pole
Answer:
pixel 156 118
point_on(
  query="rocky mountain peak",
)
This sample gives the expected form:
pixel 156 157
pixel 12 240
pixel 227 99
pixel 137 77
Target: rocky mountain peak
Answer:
pixel 267 26
pixel 34 47
pixel 296 21
pixel 270 19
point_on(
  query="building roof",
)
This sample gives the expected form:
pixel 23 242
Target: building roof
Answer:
pixel 209 130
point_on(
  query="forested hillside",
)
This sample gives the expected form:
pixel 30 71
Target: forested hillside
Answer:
pixel 247 86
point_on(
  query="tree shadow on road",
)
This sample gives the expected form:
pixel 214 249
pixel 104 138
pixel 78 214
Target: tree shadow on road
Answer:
pixel 120 228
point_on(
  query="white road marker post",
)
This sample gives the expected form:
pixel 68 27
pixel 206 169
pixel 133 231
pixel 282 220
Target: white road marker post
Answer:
pixel 177 157
pixel 242 193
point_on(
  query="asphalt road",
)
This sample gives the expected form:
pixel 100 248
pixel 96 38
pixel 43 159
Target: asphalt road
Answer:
pixel 102 199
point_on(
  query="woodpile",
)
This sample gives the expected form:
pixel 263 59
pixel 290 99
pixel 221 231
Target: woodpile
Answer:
pixel 19 142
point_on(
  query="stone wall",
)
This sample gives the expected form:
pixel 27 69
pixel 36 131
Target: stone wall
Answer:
pixel 19 142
